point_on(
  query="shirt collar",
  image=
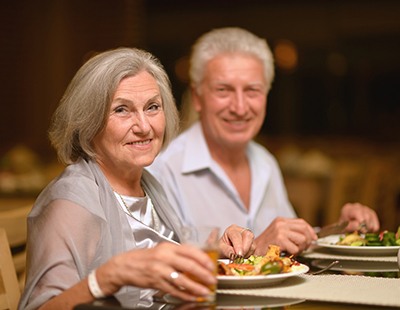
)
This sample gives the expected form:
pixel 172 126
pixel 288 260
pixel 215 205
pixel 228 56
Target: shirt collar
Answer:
pixel 197 156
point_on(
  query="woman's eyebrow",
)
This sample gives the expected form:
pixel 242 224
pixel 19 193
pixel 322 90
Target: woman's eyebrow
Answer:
pixel 121 100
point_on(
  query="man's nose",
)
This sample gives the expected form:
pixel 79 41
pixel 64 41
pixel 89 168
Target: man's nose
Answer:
pixel 239 104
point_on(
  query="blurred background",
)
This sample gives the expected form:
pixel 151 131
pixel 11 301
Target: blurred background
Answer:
pixel 333 112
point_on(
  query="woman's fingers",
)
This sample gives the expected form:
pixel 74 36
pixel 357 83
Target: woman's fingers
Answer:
pixel 237 240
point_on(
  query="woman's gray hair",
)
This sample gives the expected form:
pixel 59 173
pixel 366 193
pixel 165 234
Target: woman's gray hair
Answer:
pixel 229 40
pixel 83 110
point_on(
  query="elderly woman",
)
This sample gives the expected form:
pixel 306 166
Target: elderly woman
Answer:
pixel 104 227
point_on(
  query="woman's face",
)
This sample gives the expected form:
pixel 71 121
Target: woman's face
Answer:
pixel 135 127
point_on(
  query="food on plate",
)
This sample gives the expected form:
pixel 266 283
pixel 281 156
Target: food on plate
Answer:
pixel 384 238
pixel 353 239
pixel 270 263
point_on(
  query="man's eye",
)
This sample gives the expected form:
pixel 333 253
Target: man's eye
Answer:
pixel 222 91
pixel 254 92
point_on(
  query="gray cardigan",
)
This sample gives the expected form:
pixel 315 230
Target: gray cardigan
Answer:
pixel 76 225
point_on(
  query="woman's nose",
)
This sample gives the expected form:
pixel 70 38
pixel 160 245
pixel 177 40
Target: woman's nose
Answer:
pixel 140 124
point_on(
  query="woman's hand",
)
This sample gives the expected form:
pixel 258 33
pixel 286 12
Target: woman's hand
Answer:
pixel 164 267
pixel 360 218
pixel 237 240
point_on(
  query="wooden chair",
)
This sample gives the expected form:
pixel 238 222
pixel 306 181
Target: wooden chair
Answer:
pixel 380 190
pixel 9 287
pixel 14 222
pixel 345 186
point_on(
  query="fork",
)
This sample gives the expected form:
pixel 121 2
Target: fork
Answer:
pixel 335 262
pixel 236 258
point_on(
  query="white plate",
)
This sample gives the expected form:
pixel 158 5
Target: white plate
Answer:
pixel 257 281
pixel 253 302
pixel 228 301
pixel 357 266
pixel 330 243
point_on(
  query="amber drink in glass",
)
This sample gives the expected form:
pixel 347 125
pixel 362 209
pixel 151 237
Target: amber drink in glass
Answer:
pixel 207 239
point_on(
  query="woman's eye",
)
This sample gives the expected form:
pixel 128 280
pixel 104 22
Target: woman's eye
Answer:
pixel 120 109
pixel 154 107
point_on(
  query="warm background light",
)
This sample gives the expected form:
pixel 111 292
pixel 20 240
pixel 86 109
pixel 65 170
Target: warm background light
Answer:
pixel 286 55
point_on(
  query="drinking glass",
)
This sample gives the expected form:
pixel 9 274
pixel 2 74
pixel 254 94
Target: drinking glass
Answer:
pixel 205 238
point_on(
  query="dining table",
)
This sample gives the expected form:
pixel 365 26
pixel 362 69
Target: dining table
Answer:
pixel 361 279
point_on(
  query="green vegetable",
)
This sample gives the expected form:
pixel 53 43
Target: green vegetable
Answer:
pixel 388 239
pixel 272 267
pixel 371 237
pixel 253 259
pixel 358 243
pixel 384 238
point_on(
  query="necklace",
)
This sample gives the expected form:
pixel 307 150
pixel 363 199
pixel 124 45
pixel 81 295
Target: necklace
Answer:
pixel 126 209
pixel 155 221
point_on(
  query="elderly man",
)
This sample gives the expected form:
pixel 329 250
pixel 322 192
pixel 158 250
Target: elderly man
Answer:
pixel 214 173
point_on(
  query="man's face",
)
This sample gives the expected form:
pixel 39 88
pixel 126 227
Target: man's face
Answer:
pixel 231 100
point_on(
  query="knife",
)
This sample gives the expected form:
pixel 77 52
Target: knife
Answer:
pixel 333 229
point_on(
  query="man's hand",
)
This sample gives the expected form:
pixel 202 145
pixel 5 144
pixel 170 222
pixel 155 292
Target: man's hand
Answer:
pixel 360 217
pixel 291 235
